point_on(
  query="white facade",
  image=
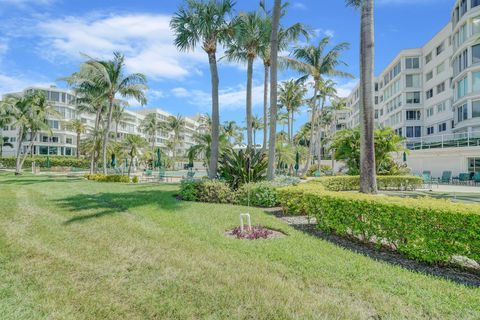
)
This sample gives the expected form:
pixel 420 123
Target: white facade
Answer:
pixel 63 141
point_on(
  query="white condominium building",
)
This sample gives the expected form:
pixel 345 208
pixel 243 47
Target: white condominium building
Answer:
pixel 432 92
pixel 62 141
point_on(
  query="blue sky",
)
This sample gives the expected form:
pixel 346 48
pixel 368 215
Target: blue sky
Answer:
pixel 40 41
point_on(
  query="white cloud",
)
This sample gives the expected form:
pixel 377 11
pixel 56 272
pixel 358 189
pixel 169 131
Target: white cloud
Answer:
pixel 16 84
pixel 344 89
pixel 24 3
pixel 145 39
pixel 299 5
pixel 409 2
pixel 324 32
pixel 233 98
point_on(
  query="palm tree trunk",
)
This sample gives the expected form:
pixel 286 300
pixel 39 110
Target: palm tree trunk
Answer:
pixel 30 147
pixel 368 183
pixel 105 135
pixel 273 88
pixel 265 107
pixel 292 122
pixel 97 125
pixel 249 101
pixel 78 145
pixel 333 127
pixel 130 166
pixel 116 130
pixel 212 174
pixel 312 130
pixel 319 155
pixel 18 169
pixel 289 127
pixel 254 139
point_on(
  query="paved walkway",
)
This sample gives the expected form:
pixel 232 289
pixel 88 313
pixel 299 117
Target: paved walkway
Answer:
pixel 453 188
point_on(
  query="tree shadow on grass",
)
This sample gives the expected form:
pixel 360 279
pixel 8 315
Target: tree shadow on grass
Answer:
pixel 40 180
pixel 106 204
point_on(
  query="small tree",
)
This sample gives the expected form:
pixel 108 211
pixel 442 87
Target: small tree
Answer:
pixel 133 144
pixel 77 126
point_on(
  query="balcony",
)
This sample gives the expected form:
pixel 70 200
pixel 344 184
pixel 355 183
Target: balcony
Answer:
pixel 451 140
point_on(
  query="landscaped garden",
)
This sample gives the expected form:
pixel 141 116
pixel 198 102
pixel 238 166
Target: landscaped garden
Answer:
pixel 73 248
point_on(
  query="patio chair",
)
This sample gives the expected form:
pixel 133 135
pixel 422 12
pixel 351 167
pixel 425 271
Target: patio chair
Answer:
pixel 476 178
pixel 446 177
pixel 162 176
pixel 190 174
pixel 427 179
pixel 464 178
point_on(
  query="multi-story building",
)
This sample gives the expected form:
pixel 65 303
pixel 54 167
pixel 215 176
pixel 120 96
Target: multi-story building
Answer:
pixel 62 141
pixel 431 95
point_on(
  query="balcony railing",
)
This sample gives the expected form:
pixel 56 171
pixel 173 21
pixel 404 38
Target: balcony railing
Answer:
pixel 451 140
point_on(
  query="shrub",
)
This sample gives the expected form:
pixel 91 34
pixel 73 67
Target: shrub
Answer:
pixel 135 179
pixel 324 170
pixel 188 189
pixel 107 178
pixel 352 183
pixel 55 161
pixel 205 190
pixel 233 167
pixel 257 232
pixel 285 181
pixel 429 230
pixel 261 194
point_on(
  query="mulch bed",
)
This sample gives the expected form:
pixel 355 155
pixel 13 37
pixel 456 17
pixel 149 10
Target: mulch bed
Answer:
pixel 456 274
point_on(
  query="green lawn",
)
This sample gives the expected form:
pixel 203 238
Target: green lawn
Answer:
pixel 72 249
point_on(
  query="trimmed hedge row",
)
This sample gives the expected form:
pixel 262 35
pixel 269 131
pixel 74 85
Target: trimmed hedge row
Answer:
pixel 428 230
pixel 107 178
pixel 55 161
pixel 260 194
pixel 352 183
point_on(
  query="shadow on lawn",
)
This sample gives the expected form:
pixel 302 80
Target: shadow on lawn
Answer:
pixel 105 204
pixel 446 272
pixel 40 180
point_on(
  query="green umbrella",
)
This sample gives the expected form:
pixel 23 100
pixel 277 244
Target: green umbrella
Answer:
pixel 297 162
pixel 404 157
pixel 114 161
pixel 126 163
pixel 158 163
pixel 48 162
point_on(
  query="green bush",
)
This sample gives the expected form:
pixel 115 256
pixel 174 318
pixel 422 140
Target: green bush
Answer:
pixel 324 169
pixel 429 230
pixel 55 161
pixel 260 194
pixel 188 189
pixel 233 167
pixel 107 178
pixel 204 190
pixel 135 179
pixel 352 183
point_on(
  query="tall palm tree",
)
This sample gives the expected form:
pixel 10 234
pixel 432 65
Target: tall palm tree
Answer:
pixel 109 80
pixel 290 97
pixel 256 126
pixel 119 115
pixel 205 22
pixel 231 131
pixel 326 91
pixel 368 179
pixel 5 119
pixel 286 35
pixel 150 125
pixel 338 104
pixel 273 87
pixel 77 126
pixel 245 45
pixel 175 124
pixel 314 61
pixel 133 145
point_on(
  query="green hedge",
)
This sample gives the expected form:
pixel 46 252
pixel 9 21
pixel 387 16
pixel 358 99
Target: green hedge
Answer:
pixel 107 178
pixel 259 194
pixel 429 230
pixel 205 190
pixel 55 161
pixel 352 183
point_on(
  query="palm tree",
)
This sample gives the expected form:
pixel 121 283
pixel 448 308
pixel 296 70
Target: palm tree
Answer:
pixel 77 126
pixel 119 115
pixel 313 61
pixel 273 87
pixel 231 131
pixel 285 37
pixel 176 125
pixel 109 80
pixel 203 147
pixel 368 179
pixel 5 119
pixel 205 22
pixel 326 90
pixel 133 144
pixel 150 125
pixel 245 45
pixel 290 97
pixel 338 104
pixel 29 114
pixel 256 125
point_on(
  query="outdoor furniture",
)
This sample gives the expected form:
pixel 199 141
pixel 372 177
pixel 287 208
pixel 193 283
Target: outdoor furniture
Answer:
pixel 476 178
pixel 464 178
pixel 190 174
pixel 446 177
pixel 162 176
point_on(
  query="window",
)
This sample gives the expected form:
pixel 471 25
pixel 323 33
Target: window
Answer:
pixel 44 138
pixel 476 54
pixel 413 97
pixel 462 113
pixel 412 63
pixel 52 150
pixel 428 58
pixel 473 164
pixel 413 114
pixel 440 68
pixel 463 7
pixel 441 107
pixel 412 80
pixel 429 94
pixel 441 87
pixel 460 62
pixel 54 124
pixel 429 76
pixel 476 109
pixel 376 86
pixel 430 130
pixel 442 127
pixel 376 99
pixel 13 139
pixel 430 112
pixel 440 48
pixel 476 24
pixel 43 150
pixel 475 3
pixel 414 132
pixel 399 132
pixel 68 140
pixel 476 81
pixel 462 88
pixel 55 139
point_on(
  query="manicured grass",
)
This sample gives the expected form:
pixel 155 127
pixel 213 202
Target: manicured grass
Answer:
pixel 73 249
